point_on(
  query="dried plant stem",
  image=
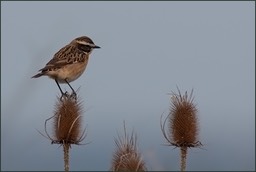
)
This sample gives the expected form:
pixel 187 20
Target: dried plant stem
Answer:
pixel 66 147
pixel 183 154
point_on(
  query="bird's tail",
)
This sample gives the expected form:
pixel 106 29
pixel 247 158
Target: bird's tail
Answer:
pixel 37 75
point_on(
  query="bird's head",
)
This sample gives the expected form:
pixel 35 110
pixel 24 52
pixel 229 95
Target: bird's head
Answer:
pixel 85 44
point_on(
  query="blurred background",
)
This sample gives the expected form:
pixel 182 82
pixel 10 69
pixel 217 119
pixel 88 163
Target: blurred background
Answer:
pixel 148 49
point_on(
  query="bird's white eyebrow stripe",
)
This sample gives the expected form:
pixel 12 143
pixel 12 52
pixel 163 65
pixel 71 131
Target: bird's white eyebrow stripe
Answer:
pixel 85 43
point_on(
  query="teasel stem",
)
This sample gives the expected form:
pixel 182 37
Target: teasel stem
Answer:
pixel 182 124
pixel 66 147
pixel 183 153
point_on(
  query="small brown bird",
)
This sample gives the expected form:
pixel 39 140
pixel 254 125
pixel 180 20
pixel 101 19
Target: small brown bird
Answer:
pixel 69 62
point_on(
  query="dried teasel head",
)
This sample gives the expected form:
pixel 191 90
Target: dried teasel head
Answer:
pixel 182 129
pixel 126 156
pixel 67 122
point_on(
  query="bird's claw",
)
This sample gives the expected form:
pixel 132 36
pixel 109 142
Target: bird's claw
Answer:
pixel 73 95
pixel 65 95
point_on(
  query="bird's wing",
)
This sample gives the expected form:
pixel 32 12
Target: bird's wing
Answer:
pixel 65 56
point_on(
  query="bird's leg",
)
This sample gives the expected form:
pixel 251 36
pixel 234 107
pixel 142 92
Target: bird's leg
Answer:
pixel 62 93
pixel 59 87
pixel 73 91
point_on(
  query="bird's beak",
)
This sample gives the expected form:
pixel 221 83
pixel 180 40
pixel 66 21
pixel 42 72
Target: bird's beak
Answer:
pixel 95 46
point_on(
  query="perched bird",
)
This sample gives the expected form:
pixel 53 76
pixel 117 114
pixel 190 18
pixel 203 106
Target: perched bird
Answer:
pixel 69 62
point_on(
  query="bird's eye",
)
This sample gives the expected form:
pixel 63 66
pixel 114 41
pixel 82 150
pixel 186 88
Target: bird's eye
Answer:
pixel 85 48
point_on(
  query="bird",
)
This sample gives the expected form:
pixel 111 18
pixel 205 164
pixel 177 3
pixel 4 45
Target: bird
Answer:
pixel 69 63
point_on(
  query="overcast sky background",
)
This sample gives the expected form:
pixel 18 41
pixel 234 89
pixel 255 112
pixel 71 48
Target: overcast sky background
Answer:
pixel 148 48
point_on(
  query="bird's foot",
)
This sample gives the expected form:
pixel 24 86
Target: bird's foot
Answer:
pixel 73 95
pixel 64 95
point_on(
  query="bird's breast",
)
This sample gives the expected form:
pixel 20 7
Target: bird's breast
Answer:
pixel 69 72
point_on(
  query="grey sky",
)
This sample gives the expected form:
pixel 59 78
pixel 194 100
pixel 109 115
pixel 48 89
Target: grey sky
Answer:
pixel 148 48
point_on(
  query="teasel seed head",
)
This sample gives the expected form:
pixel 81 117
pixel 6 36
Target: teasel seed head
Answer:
pixel 126 156
pixel 182 121
pixel 68 121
